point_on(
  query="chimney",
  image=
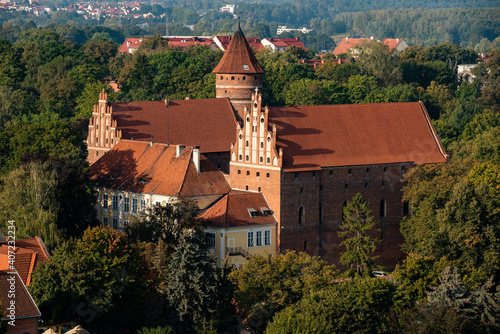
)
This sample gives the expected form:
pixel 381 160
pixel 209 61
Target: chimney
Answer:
pixel 196 158
pixel 179 149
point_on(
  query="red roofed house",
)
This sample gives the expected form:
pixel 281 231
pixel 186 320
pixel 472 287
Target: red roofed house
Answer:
pixel 352 45
pixel 28 254
pixel 240 224
pixel 20 311
pixel 135 175
pixel 307 161
pixel 280 44
pixel 130 45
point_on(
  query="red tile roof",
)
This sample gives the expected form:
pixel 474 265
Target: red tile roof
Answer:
pixel 287 42
pixel 28 254
pixel 139 167
pixel 392 43
pixel 208 123
pixel 347 43
pixel 183 42
pixel 252 41
pixel 356 134
pixel 130 43
pixel 238 58
pixel 25 305
pixel 232 210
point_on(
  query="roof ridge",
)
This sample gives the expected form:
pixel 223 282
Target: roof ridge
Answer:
pixel 32 266
pixel 186 169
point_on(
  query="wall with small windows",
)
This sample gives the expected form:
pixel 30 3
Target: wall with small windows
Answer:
pixel 236 243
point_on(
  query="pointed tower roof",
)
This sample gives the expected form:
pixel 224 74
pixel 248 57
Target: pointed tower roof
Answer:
pixel 239 57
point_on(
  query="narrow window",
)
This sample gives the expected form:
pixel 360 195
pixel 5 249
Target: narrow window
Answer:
pixel 246 143
pixel 105 203
pixel 382 208
pixel 239 171
pixel 268 160
pixel 115 223
pixel 262 144
pixel 126 204
pixel 314 174
pixel 301 190
pixel 246 187
pixel 210 239
pixel 345 186
pixel 349 171
pixel 406 208
pixel 250 239
pixel 296 175
pixel 247 158
pixel 134 205
pixel 368 171
pixel 114 203
pixel 143 204
pixel 248 172
pixel 305 245
pixel 261 159
pixel 258 238
pixel 385 170
pixel 258 189
pixel 105 221
pixel 258 174
pixel 267 237
pixel 268 175
pixel 331 173
pixel 301 215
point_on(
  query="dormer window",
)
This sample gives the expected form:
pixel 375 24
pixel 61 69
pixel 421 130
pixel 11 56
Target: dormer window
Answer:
pixel 245 67
pixel 266 211
pixel 252 212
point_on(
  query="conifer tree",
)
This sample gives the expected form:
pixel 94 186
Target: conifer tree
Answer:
pixel 357 224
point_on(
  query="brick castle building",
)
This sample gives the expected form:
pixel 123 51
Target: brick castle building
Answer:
pixel 307 161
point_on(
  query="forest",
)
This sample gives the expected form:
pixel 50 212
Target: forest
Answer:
pixel 473 24
pixel 149 282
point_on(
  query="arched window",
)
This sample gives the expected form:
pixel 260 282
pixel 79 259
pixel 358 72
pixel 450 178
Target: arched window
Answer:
pixel 262 145
pixel 246 143
pixel 258 174
pixel 261 159
pixel 247 158
pixel 258 189
pixel 301 215
pixel 382 208
pixel 239 171
pixel 248 172
pixel 268 175
pixel 268 160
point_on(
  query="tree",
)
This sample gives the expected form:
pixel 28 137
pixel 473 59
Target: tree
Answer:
pixel 100 281
pixel 355 230
pixel 198 289
pixel 359 87
pixel 376 59
pixel 355 306
pixel 28 196
pixel 266 284
pixel 314 92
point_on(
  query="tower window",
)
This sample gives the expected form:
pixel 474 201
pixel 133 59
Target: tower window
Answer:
pixel 246 187
pixel 246 143
pixel 349 171
pixel 301 215
pixel 240 157
pixel 268 160
pixel 247 158
pixel 382 208
pixel 346 186
pixel 248 172
pixel 267 175
pixel 258 189
pixel 261 159
pixel 385 170
pixel 367 170
pixel 221 77
pixel 258 174
pixel 262 145
pixel 244 77
pixel 239 171
pixel 232 78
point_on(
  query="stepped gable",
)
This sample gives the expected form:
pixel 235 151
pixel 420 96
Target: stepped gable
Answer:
pixel 313 137
pixel 238 58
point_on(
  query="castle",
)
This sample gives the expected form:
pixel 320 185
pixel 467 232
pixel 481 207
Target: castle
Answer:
pixel 307 161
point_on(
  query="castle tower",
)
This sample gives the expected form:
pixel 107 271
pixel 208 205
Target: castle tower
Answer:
pixel 238 74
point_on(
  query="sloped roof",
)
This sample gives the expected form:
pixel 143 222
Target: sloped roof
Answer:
pixel 238 58
pixel 392 42
pixel 183 42
pixel 232 210
pixel 139 167
pixel 287 42
pixel 254 42
pixel 25 306
pixel 208 123
pixel 356 134
pixel 347 43
pixel 29 253
pixel 134 44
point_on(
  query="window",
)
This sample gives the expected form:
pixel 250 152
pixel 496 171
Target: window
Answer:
pixel 258 174
pixel 349 171
pixel 383 184
pixel 268 160
pixel 105 203
pixel 143 204
pixel 385 170
pixel 115 223
pixel 268 175
pixel 301 190
pixel 244 77
pixel 262 144
pixel 382 208
pixel 105 221
pixel 247 143
pixel 314 174
pixel 267 237
pixel 406 208
pixel 305 245
pixel 239 171
pixel 210 239
pixel 250 239
pixel 402 169
pixel 258 189
pixel 261 159
pixel 134 205
pixel 252 212
pixel 247 158
pixel 366 184
pixel 126 204
pixel 240 157
pixel 248 172
pixel 296 175
pixel 258 238
pixel 346 186
pixel 368 171
pixel 301 215
pixel 114 202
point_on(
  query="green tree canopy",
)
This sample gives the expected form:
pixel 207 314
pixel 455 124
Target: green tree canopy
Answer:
pixel 356 228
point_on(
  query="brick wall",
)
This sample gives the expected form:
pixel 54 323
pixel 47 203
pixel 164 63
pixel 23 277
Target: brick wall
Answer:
pixel 23 326
pixel 321 195
pixel 238 88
